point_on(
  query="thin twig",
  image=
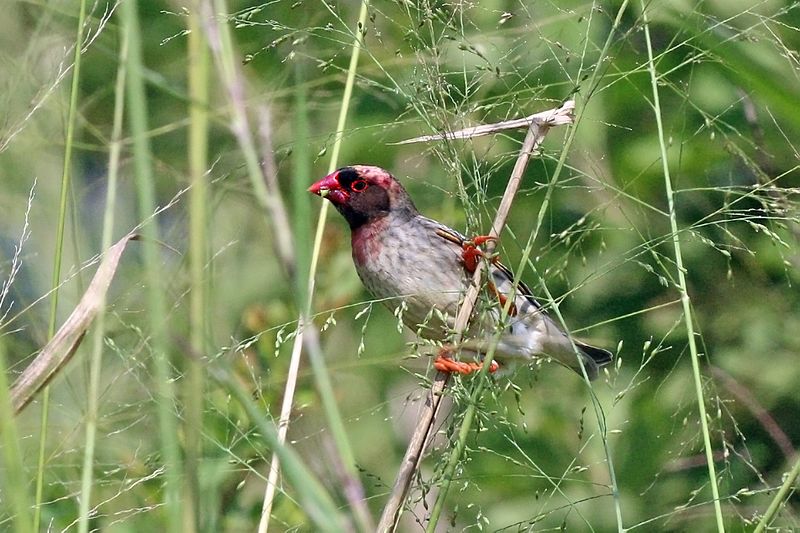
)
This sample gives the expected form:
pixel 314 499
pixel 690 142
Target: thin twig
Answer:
pixel 538 128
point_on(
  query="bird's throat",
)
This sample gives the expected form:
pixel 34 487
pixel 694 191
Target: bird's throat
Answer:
pixel 366 239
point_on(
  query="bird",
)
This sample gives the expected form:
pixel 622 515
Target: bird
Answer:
pixel 423 268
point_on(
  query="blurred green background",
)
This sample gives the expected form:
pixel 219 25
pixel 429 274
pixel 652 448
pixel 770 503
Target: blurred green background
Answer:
pixel 728 80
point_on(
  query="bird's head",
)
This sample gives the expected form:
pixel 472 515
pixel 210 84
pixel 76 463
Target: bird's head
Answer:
pixel 363 193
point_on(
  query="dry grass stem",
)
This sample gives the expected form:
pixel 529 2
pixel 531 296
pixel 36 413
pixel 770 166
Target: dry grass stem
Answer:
pixel 285 250
pixel 514 124
pixel 538 126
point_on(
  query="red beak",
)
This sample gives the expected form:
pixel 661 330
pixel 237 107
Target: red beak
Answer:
pixel 326 185
pixel 330 189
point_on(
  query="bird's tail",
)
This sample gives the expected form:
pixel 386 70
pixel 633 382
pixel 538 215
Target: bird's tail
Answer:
pixel 596 358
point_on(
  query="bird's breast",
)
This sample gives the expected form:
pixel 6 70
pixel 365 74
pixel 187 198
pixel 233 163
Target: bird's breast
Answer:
pixel 404 263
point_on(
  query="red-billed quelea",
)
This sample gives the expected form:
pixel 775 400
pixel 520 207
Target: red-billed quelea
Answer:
pixel 402 256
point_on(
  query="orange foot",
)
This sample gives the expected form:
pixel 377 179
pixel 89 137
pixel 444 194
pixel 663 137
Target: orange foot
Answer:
pixel 445 364
pixel 472 254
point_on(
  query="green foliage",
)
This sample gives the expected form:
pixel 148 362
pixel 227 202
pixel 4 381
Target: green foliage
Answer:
pixel 727 79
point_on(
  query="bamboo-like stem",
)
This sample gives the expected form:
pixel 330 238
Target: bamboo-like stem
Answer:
pixel 194 385
pixel 142 159
pixel 96 360
pixel 391 513
pixel 682 288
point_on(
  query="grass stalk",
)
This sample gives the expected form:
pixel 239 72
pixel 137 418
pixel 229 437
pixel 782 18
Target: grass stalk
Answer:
pixel 56 278
pixel 95 363
pixel 353 490
pixel 301 177
pixel 15 481
pixel 263 181
pixel 142 157
pixel 194 387
pixel 271 172
pixel 592 84
pixel 301 170
pixel 314 352
pixel 684 292
pixel 780 498
pixel 313 498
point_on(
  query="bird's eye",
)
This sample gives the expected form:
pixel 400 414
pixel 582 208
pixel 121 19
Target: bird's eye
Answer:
pixel 359 185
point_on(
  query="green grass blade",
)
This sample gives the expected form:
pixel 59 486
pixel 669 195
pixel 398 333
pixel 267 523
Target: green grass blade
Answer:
pixel 194 387
pixel 60 228
pixel 167 423
pixel 780 498
pixel 685 300
pixel 314 500
pixel 15 481
pixel 95 364
pixel 315 356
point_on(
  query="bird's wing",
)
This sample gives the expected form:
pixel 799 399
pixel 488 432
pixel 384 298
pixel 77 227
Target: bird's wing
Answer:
pixel 532 332
pixel 529 331
pixel 445 232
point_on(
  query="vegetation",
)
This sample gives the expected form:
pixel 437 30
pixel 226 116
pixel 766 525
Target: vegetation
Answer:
pixel 665 224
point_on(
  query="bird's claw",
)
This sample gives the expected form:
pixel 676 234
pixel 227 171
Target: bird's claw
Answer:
pixel 444 363
pixel 472 253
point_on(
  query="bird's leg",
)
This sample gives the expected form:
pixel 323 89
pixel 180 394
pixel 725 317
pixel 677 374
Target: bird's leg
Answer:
pixel 501 298
pixel 445 363
pixel 472 254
